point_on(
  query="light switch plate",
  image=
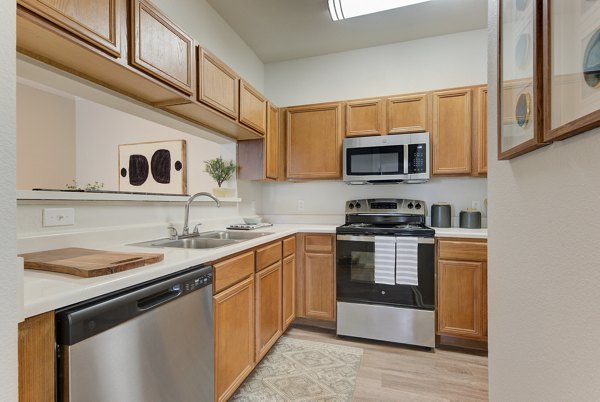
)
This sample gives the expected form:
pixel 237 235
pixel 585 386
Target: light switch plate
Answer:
pixel 476 205
pixel 300 205
pixel 58 217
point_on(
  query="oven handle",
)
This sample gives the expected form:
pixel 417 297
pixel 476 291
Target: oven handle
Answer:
pixel 371 239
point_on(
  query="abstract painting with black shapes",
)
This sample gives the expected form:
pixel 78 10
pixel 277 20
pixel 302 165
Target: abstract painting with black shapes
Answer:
pixel 153 167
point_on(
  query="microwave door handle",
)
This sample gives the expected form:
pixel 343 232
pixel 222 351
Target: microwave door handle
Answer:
pixel 405 159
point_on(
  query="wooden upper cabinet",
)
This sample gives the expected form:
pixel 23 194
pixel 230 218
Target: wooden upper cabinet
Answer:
pixel 272 143
pixel 314 141
pixel 480 136
pixel 160 48
pixel 95 21
pixel 451 132
pixel 408 113
pixel 253 108
pixel 365 117
pixel 217 84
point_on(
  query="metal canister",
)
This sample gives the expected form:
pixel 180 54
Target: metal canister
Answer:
pixel 441 215
pixel 470 219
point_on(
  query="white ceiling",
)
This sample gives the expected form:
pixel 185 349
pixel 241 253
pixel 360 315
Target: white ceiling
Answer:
pixel 279 30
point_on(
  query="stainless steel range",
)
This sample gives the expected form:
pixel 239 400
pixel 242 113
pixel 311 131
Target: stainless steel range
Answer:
pixel 385 272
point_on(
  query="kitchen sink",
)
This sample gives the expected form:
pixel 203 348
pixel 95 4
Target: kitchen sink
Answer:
pixel 193 242
pixel 228 235
pixel 205 240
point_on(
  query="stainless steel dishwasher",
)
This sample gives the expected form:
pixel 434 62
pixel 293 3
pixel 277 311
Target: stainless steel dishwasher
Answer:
pixel 149 343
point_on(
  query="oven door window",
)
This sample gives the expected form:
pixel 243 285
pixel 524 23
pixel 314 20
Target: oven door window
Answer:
pixel 370 161
pixel 362 266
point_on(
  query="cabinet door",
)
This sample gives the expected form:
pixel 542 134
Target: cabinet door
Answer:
pixel 37 358
pixel 233 311
pixel 289 290
pixel 365 117
pixel 253 108
pixel 160 48
pixel 96 21
pixel 314 141
pixel 408 114
pixel 218 84
pixel 319 286
pixel 272 144
pixel 480 137
pixel 268 309
pixel 451 133
pixel 462 303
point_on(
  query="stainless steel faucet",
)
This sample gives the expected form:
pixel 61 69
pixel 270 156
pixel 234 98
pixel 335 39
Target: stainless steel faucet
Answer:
pixel 186 229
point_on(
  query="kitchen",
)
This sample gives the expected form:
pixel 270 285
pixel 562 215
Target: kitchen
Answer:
pixel 280 202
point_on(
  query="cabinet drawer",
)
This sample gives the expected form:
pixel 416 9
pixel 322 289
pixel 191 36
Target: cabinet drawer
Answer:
pixel 318 243
pixel 289 246
pixel 234 270
pixel 462 250
pixel 268 255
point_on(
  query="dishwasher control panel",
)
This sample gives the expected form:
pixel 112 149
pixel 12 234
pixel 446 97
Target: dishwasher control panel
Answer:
pixel 193 284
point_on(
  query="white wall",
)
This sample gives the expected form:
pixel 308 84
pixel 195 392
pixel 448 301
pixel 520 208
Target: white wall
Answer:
pixel 11 285
pixel 543 276
pixel 425 64
pixel 204 24
pixel 324 201
pixel 46 139
pixel 100 131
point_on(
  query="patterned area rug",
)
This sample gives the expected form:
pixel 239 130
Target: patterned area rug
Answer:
pixel 297 370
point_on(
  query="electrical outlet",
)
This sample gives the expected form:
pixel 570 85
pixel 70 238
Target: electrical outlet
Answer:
pixel 58 217
pixel 476 205
pixel 300 205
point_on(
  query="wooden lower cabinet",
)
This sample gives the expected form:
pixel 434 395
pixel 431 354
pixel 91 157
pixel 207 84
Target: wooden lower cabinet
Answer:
pixel 289 290
pixel 318 277
pixel 462 291
pixel 268 308
pixel 37 358
pixel 233 311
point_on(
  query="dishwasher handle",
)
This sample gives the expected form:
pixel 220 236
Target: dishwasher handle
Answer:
pixel 155 300
pixel 84 320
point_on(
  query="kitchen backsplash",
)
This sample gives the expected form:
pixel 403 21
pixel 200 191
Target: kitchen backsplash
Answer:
pixel 324 201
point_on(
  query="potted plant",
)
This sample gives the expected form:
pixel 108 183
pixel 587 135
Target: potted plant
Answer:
pixel 220 171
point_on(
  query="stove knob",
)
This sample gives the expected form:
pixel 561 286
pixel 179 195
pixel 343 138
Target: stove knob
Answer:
pixel 418 206
pixel 358 205
pixel 350 206
pixel 410 205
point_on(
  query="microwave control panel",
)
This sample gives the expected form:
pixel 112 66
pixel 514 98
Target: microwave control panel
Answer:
pixel 417 158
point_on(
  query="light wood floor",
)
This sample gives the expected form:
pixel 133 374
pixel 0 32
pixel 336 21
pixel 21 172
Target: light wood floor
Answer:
pixel 400 373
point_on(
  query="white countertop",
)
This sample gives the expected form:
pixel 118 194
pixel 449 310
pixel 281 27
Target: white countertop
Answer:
pixel 461 233
pixel 45 291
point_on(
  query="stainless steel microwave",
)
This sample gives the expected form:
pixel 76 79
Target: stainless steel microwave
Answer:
pixel 387 159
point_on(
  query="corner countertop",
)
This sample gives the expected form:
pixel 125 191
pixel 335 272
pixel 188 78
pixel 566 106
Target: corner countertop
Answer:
pixel 45 291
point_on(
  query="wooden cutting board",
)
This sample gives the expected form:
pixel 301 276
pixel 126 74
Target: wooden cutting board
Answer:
pixel 87 263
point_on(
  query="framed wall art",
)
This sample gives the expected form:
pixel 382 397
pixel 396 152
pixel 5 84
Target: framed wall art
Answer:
pixel 571 67
pixel 520 94
pixel 153 167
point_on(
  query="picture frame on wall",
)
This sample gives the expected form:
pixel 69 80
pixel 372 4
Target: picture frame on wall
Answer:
pixel 520 83
pixel 571 67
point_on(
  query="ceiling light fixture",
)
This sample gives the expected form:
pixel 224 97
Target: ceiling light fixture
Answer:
pixel 344 9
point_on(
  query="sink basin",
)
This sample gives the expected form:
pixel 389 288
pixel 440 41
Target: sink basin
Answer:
pixel 194 242
pixel 230 235
pixel 205 240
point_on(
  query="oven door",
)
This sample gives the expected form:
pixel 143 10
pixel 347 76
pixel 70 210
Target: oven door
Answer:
pixel 355 271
